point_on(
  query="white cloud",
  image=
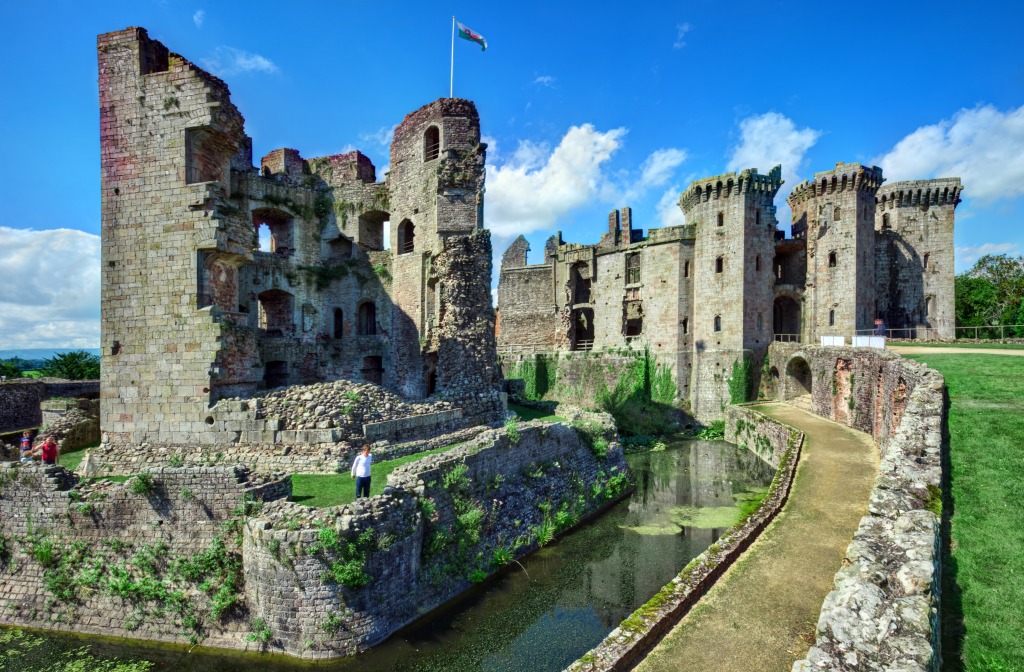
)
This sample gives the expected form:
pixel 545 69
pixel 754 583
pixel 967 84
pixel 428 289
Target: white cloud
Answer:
pixel 681 30
pixel 49 289
pixel 381 137
pixel 198 18
pixel 545 80
pixel 536 186
pixel 983 146
pixel 966 255
pixel 230 61
pixel 660 165
pixel 669 212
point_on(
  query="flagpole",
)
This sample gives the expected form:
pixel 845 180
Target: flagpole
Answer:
pixel 451 80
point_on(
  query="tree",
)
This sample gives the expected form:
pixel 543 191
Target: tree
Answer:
pixel 9 368
pixel 75 365
pixel 991 293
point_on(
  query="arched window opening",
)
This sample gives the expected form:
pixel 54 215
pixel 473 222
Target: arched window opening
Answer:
pixel 366 319
pixel 719 265
pixel 886 225
pixel 431 144
pixel 927 257
pixel 718 322
pixel 274 231
pixel 372 234
pixel 929 303
pixel 275 315
pixel 686 325
pixel 832 259
pixel 339 323
pixel 406 237
pixel 835 214
pixel 831 318
pixel 799 380
pixel 721 219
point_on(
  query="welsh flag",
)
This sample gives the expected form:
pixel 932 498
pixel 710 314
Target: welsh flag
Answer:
pixel 468 33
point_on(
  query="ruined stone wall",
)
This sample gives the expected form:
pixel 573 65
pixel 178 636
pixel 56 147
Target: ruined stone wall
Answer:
pixel 529 317
pixel 914 247
pixel 408 538
pixel 100 558
pixel 168 134
pixel 21 399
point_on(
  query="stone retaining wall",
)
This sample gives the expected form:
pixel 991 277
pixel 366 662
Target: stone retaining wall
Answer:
pixel 418 540
pixel 625 646
pixel 20 399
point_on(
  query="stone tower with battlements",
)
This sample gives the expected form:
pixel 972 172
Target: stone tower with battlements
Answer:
pixel 734 216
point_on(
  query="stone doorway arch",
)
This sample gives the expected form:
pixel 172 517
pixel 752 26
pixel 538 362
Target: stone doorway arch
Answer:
pixel 799 381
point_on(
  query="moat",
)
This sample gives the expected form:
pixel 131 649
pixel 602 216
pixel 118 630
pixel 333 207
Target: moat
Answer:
pixel 559 603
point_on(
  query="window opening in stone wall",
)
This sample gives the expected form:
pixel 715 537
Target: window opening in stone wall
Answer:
pixel 686 269
pixel 274 231
pixel 430 372
pixel 431 144
pixel 115 349
pixel 757 263
pixel 339 249
pixel 367 319
pixel 831 318
pixel 205 156
pixel 760 322
pixel 719 265
pixel 632 269
pixel 275 374
pixel 203 295
pixel 835 214
pixel 831 259
pixel 721 219
pixel 633 294
pixel 275 312
pixel 579 277
pixel 926 259
pixel 928 302
pixel 718 322
pixel 371 234
pixel 339 323
pixel 406 237
pixel 583 329
pixel 686 325
pixel 757 217
pixel 373 369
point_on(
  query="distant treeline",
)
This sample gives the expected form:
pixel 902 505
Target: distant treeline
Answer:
pixel 74 365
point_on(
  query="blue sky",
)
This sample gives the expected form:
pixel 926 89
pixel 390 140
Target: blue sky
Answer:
pixel 585 109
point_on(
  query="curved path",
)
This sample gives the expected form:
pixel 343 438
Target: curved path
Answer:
pixel 761 614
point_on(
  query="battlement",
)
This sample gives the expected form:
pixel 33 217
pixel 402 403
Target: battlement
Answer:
pixel 844 176
pixel 347 167
pixel 941 191
pixel 748 181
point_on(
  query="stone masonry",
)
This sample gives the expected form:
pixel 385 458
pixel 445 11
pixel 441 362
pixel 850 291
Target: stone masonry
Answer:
pixel 222 279
pixel 713 294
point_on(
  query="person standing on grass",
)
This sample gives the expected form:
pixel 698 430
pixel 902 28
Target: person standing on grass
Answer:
pixel 49 451
pixel 361 471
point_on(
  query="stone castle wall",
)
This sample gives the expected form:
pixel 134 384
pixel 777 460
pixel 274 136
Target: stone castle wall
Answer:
pixel 21 399
pixel 215 554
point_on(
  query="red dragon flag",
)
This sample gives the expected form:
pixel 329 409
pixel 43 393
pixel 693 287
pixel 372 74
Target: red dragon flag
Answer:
pixel 467 33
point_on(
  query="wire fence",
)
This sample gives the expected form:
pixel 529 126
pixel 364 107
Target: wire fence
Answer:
pixel 996 332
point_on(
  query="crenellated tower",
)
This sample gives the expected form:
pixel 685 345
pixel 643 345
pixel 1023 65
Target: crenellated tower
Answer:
pixel 734 216
pixel 834 213
pixel 914 253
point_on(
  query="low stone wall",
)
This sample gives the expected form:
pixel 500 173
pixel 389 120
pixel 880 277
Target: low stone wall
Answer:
pixel 766 437
pixel 883 613
pixel 625 646
pixel 127 559
pixel 344 579
pixel 20 399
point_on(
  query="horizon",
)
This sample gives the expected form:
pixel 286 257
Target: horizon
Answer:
pixel 622 108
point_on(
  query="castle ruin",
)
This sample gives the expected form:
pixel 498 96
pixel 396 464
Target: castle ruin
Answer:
pixel 196 310
pixel 707 298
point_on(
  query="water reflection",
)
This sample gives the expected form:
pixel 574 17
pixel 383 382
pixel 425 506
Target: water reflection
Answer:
pixel 563 599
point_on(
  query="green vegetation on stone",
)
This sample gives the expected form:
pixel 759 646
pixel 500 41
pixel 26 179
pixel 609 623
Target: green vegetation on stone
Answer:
pixel 535 414
pixel 984 578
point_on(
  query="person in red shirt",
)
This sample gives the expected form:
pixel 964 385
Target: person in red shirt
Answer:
pixel 49 451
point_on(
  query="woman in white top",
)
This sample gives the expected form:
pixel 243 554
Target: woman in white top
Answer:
pixel 361 471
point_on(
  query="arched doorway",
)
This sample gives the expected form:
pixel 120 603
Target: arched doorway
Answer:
pixel 799 380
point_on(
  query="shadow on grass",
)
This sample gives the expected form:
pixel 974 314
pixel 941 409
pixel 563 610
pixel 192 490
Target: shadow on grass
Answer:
pixel 951 606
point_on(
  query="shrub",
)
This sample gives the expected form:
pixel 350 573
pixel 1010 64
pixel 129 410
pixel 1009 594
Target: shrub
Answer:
pixel 143 484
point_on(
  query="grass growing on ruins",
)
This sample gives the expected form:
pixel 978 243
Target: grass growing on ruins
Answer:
pixel 534 414
pixel 322 490
pixel 71 459
pixel 985 575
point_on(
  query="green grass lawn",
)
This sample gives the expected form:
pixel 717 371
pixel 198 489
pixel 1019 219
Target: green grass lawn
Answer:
pixel 991 346
pixel 984 582
pixel 72 459
pixel 322 490
pixel 534 414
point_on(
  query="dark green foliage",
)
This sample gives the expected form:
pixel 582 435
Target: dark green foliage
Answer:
pixel 74 365
pixel 991 293
pixel 741 385
pixel 143 484
pixel 592 434
pixel 539 375
pixel 345 558
pixel 642 399
pixel 10 369
pixel 713 432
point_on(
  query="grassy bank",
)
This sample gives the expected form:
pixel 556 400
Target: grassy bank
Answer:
pixel 985 573
pixel 322 490
pixel 535 414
